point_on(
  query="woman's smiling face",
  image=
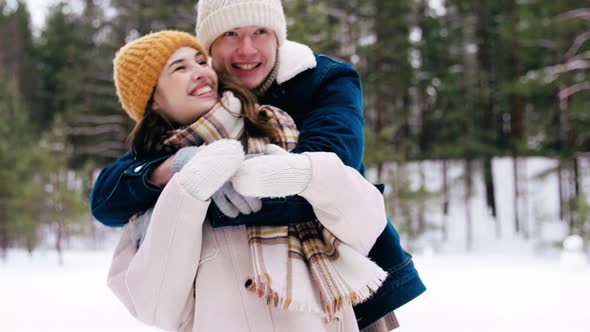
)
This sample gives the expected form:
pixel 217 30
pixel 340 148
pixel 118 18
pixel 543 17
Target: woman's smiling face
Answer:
pixel 186 88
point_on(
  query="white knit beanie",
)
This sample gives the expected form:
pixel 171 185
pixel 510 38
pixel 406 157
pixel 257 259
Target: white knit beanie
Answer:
pixel 214 17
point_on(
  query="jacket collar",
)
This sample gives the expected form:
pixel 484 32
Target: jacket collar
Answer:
pixel 295 58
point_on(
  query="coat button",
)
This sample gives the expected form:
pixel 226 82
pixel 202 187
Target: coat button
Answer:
pixel 248 283
pixel 138 168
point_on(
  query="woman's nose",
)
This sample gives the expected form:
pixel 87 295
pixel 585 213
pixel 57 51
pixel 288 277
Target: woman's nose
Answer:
pixel 197 74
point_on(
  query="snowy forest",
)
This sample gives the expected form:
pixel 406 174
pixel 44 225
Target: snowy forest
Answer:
pixel 477 120
pixel 450 86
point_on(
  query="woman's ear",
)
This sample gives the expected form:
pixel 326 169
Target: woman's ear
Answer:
pixel 155 105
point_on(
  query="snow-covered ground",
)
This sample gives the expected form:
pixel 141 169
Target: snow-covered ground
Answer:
pixel 467 293
pixel 509 284
pixel 482 293
pixel 38 295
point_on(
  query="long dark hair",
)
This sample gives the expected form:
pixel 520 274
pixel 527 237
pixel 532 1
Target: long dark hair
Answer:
pixel 147 137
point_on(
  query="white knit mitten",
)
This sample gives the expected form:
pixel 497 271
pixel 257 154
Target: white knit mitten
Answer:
pixel 274 149
pixel 210 168
pixel 275 174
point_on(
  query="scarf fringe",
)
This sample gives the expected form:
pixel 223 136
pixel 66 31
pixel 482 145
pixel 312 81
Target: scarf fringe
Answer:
pixel 261 287
pixel 353 298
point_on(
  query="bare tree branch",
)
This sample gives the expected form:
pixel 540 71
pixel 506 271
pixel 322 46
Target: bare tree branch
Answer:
pixel 89 131
pixel 337 13
pixel 105 149
pixel 576 64
pixel 576 13
pixel 566 93
pixel 548 44
pixel 577 44
pixel 102 119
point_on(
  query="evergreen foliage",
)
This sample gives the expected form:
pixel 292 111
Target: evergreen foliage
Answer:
pixel 465 81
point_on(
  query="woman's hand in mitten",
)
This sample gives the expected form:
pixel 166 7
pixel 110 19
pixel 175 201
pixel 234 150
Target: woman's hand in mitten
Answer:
pixel 211 167
pixel 229 201
pixel 275 174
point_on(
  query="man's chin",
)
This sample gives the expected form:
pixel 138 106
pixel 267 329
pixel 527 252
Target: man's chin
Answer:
pixel 248 84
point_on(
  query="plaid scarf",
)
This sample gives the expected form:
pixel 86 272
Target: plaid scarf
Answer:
pixel 300 267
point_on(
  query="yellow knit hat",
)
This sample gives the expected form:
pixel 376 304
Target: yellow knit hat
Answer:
pixel 138 64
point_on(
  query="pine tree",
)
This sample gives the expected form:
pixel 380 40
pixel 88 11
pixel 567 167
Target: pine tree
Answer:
pixel 137 18
pixel 555 124
pixel 17 61
pixel 55 53
pixel 387 76
pixel 17 167
pixel 62 205
pixel 75 53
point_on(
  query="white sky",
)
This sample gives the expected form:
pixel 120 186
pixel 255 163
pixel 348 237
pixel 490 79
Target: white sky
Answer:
pixel 38 10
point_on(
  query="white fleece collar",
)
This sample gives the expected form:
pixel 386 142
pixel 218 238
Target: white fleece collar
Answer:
pixel 294 58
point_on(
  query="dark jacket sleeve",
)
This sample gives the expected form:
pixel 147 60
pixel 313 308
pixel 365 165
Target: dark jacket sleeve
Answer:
pixel 334 122
pixel 122 189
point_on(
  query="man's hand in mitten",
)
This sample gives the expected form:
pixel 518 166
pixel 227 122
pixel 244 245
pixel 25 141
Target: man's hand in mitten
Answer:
pixel 231 203
pixel 275 174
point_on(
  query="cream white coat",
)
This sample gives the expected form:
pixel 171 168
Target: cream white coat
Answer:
pixel 188 276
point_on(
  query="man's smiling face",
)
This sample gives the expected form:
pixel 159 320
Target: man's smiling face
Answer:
pixel 246 54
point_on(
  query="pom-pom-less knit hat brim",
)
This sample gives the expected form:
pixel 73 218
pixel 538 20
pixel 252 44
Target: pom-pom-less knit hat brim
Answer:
pixel 214 17
pixel 138 64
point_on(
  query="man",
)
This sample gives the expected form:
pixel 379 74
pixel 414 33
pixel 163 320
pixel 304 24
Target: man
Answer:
pixel 247 42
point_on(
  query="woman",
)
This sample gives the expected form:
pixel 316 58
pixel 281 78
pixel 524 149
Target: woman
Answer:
pixel 187 276
pixel 323 96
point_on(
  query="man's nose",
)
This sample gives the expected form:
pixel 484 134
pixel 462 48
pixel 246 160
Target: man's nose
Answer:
pixel 246 47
